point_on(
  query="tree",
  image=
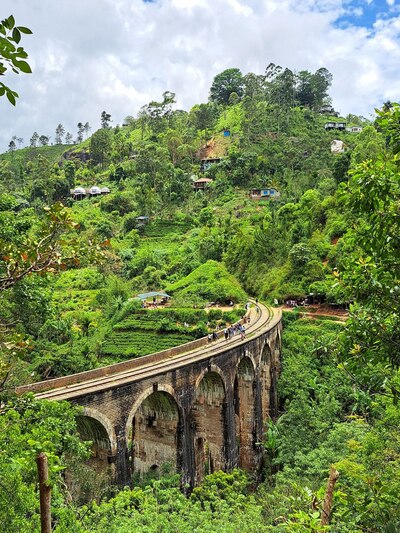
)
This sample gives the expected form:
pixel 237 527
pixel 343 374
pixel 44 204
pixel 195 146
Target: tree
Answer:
pixel 12 55
pixel 34 140
pixel 44 253
pixel 224 84
pixel 370 271
pixel 157 114
pixel 86 128
pixel 44 140
pixel 105 120
pixel 100 146
pixel 12 146
pixel 81 128
pixel 68 138
pixel 60 132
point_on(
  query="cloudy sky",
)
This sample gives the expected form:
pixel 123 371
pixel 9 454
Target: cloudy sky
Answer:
pixel 117 55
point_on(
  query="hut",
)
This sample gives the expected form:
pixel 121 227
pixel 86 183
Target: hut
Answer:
pixel 94 191
pixel 201 184
pixel 79 193
pixel 105 190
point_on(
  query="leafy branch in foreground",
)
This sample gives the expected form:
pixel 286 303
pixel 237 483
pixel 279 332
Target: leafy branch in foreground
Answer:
pixel 12 56
pixel 44 253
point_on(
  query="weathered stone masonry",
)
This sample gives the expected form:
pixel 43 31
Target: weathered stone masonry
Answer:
pixel 198 418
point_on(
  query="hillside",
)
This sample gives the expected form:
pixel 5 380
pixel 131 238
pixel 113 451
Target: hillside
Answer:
pixel 73 267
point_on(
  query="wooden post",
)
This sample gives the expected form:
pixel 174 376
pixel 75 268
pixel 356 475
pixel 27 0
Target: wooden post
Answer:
pixel 45 493
pixel 327 505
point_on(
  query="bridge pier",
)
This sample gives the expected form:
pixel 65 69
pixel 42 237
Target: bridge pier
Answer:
pixel 201 410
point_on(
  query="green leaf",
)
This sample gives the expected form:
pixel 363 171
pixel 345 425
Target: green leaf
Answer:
pixel 16 35
pixel 22 29
pixel 23 66
pixel 11 97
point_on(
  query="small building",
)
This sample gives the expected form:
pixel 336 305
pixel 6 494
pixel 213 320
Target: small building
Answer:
pixel 94 191
pixel 335 126
pixel 268 193
pixel 105 190
pixel 205 164
pixel 142 221
pixel 201 184
pixel 79 193
pixel 328 110
pixel 337 146
pixel 354 129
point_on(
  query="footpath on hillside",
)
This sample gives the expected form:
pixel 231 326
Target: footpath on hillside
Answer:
pixel 319 311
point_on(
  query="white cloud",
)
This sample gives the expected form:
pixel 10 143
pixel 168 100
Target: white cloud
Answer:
pixel 116 55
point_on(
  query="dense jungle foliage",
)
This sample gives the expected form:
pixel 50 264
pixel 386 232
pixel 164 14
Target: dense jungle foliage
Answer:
pixel 70 271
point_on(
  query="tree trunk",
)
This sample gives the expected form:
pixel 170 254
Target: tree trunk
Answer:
pixel 45 493
pixel 327 506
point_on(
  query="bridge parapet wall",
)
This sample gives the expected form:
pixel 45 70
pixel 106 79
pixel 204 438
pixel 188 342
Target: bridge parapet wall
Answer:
pixel 116 368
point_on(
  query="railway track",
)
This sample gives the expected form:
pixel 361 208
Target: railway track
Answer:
pixel 145 367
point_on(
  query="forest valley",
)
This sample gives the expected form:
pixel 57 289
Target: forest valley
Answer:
pixel 70 270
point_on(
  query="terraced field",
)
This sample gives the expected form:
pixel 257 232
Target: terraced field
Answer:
pixel 131 344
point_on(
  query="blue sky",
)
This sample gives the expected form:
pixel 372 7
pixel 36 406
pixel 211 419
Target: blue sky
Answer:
pixel 364 13
pixel 117 55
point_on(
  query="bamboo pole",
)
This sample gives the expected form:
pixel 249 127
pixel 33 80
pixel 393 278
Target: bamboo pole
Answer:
pixel 45 493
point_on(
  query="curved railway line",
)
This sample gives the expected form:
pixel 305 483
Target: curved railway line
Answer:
pixel 76 385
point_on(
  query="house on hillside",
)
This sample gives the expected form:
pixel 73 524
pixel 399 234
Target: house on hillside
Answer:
pixel 79 193
pixel 335 126
pixel 354 129
pixel 201 184
pixel 266 193
pixel 328 110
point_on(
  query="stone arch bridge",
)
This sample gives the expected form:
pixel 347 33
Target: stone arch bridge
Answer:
pixel 199 407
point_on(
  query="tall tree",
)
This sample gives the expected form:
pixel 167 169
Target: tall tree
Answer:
pixel 81 128
pixel 370 270
pixel 105 119
pixel 224 84
pixel 86 128
pixel 34 140
pixel 100 146
pixel 68 138
pixel 60 132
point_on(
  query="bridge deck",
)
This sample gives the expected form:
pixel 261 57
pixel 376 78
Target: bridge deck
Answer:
pixel 77 385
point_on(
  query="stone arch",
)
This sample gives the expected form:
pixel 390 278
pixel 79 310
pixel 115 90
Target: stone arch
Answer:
pixel 208 416
pixel 95 427
pixel 154 431
pixel 211 368
pixel 265 380
pixel 244 404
